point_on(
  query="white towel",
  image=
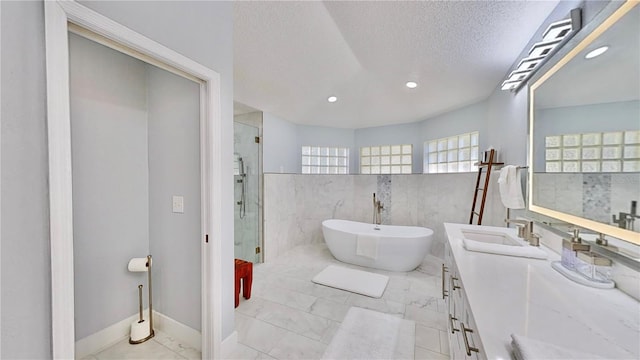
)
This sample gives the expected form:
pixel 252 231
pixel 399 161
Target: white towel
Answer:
pixel 367 246
pixel 526 348
pixel 521 251
pixel 510 187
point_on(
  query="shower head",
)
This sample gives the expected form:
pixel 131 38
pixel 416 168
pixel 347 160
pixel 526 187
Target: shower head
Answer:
pixel 238 166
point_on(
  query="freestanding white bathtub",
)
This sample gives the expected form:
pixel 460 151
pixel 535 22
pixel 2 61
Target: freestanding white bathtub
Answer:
pixel 399 248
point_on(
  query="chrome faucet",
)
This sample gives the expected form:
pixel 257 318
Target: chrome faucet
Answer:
pixel 525 228
pixel 626 220
pixel 377 208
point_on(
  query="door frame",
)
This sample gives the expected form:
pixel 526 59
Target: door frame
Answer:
pixel 58 15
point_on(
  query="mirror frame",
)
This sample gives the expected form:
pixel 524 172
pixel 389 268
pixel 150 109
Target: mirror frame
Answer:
pixel 623 234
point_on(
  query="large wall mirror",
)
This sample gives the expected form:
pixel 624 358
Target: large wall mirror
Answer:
pixel 585 131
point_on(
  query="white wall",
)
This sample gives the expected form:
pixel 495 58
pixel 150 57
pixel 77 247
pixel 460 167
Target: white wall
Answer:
pixel 507 126
pixel 467 119
pixel 26 279
pixel 174 169
pixel 110 181
pixel 281 153
pixel 199 30
pixel 284 139
pixel 202 31
pixel 135 144
pixel 327 136
pixel 391 135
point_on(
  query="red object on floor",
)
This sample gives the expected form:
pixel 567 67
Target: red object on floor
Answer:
pixel 244 272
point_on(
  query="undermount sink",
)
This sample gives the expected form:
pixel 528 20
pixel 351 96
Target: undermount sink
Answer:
pixel 491 237
pixel 498 243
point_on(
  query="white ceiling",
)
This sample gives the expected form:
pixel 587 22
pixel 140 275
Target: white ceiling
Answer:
pixel 290 56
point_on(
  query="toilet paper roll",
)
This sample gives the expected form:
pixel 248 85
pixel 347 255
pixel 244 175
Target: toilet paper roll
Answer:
pixel 138 264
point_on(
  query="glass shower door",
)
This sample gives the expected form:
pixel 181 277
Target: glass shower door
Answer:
pixel 246 173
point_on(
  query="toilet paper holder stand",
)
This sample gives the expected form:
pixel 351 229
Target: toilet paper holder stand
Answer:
pixel 140 338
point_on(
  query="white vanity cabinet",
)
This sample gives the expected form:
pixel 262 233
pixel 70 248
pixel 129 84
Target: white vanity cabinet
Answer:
pixel 464 340
pixel 512 295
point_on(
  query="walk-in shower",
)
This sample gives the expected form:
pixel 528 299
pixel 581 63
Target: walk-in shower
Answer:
pixel 240 174
pixel 247 189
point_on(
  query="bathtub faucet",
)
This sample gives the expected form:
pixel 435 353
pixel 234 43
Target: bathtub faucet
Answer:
pixel 377 208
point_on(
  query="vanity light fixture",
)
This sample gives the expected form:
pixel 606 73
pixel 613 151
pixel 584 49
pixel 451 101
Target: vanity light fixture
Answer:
pixel 543 48
pixel 557 30
pixel 332 99
pixel 597 52
pixel 556 35
pixel 514 79
pixel 510 85
pixel 528 64
pixel 411 84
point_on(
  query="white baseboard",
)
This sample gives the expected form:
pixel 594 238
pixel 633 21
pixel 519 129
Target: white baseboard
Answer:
pixel 229 345
pixel 180 331
pixel 119 331
pixel 106 337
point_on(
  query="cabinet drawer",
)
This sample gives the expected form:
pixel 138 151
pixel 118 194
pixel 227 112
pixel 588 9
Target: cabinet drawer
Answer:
pixel 469 330
pixel 464 340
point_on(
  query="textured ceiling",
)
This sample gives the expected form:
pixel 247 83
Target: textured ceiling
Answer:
pixel 290 56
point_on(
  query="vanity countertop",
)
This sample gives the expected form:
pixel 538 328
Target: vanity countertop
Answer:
pixel 515 295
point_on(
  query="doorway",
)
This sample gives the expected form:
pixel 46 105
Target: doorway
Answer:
pixel 135 149
pixel 60 16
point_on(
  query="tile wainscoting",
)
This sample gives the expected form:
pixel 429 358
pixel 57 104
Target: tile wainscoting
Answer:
pixel 295 205
pixel 595 196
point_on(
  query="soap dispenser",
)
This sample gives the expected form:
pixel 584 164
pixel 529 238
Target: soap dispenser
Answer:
pixel 570 247
pixel 594 267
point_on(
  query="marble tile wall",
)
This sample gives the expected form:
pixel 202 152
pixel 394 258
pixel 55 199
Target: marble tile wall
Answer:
pixel 295 205
pixel 562 192
pixel 594 196
pixel 384 196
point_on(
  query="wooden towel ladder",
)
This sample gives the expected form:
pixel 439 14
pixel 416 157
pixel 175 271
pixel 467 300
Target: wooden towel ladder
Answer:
pixel 482 165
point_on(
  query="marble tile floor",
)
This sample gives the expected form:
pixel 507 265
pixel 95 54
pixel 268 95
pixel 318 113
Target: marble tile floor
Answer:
pixel 289 317
pixel 161 346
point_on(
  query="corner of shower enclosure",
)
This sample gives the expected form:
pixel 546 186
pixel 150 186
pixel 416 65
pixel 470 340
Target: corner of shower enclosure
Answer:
pixel 248 187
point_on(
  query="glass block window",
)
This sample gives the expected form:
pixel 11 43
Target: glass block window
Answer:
pixel 386 159
pixel 325 160
pixel 617 151
pixel 452 154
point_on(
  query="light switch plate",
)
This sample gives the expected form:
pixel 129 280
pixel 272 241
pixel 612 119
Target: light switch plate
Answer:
pixel 178 204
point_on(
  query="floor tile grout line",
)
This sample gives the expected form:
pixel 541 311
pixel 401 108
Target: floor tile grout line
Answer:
pixel 275 302
pixel 411 280
pixel 173 351
pixel 291 331
pixel 259 351
pixel 303 293
pixel 438 352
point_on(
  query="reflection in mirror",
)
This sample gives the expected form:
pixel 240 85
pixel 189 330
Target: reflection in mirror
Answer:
pixel 585 119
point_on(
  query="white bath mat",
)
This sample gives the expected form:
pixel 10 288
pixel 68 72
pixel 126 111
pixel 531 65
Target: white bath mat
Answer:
pixel 368 334
pixel 357 281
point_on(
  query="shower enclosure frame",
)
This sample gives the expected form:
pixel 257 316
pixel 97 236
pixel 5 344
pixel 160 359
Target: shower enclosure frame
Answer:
pixel 60 15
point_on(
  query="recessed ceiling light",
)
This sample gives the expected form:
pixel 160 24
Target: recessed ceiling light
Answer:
pixel 597 52
pixel 332 99
pixel 411 84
